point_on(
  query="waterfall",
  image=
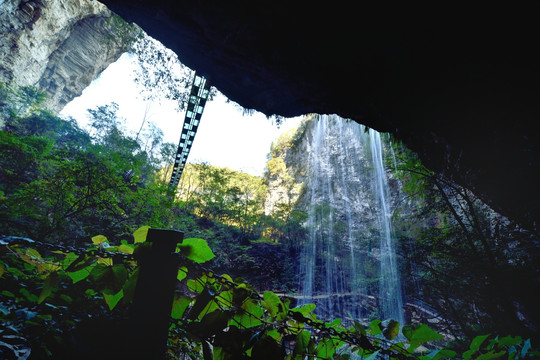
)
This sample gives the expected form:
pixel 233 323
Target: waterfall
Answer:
pixel 321 279
pixel 349 259
pixel 389 283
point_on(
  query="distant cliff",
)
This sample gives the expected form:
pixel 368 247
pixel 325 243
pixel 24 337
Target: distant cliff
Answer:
pixel 58 46
pixel 288 170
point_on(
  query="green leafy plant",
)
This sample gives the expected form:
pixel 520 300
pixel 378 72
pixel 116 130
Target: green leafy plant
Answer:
pixel 215 317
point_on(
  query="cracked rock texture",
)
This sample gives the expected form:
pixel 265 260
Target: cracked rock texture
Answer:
pixel 59 46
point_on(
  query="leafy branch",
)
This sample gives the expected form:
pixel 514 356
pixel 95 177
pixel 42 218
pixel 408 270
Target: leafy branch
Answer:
pixel 221 318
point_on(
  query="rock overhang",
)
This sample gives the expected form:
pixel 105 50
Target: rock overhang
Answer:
pixel 458 85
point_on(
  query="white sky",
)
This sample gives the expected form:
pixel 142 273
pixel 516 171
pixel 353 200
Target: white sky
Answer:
pixel 224 138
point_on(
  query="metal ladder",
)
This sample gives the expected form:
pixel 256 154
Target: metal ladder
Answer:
pixel 197 100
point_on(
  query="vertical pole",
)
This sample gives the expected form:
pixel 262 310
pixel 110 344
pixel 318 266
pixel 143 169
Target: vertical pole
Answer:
pixel 152 302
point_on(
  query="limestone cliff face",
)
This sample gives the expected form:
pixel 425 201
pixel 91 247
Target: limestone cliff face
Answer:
pixel 59 46
pixel 289 172
pixel 285 170
pixel 349 197
pixel 331 161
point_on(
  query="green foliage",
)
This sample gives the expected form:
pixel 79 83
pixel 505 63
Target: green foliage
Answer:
pixel 48 294
pixel 160 75
pixel 224 195
pixel 275 166
pixel 392 330
pixel 23 101
pixel 121 33
pixel 414 175
pixel 218 318
pixel 140 234
pixel 196 250
pixel 290 139
pixel 468 262
pixel 60 183
pixel 419 334
pixel 485 347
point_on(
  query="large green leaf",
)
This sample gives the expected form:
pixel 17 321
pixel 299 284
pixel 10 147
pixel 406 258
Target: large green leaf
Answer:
pixel 249 317
pixel 139 235
pixel 49 286
pixel 274 334
pixel 477 342
pixel 357 327
pixel 214 322
pixel 418 334
pixel 130 285
pixel 79 275
pixel 196 250
pixel 200 303
pixel 492 355
pixel 126 248
pixel 272 303
pixel 195 285
pixel 230 344
pixel 391 330
pixel 334 323
pixel 441 354
pixel 98 239
pixel 113 299
pixel 305 310
pixel 81 262
pixel 180 305
pixel 375 327
pixel 225 298
pixel 220 353
pixel 33 253
pixel 33 257
pixel 508 341
pixel 474 346
pixel 302 342
pixel 326 349
pixel 182 273
pixel 109 279
pixel 209 308
pixel 240 294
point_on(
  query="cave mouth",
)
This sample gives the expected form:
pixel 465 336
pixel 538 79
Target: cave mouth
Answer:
pixel 460 147
pixel 458 88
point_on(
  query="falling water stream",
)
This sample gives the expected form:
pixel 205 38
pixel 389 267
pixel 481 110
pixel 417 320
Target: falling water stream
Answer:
pixel 349 260
pixel 389 282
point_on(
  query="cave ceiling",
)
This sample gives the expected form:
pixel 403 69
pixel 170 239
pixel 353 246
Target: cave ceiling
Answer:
pixel 458 85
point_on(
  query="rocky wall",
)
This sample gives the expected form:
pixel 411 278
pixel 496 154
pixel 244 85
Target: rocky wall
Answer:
pixel 58 46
